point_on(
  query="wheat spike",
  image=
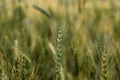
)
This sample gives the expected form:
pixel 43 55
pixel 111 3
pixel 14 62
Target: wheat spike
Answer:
pixel 76 69
pixel 32 75
pixel 59 62
pixel 16 67
pixel 104 74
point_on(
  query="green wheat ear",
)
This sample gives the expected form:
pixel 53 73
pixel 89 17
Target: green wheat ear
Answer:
pixel 32 75
pixel 21 63
pixel 59 61
pixel 90 65
pixel 16 67
pixel 76 70
pixel 3 75
pixel 42 11
pixel 105 56
pixel 104 74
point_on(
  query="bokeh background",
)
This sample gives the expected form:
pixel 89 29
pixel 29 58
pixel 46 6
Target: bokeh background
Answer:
pixel 28 37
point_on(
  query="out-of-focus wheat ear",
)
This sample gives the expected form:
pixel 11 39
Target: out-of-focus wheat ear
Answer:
pixel 104 64
pixel 76 68
pixel 92 59
pixel 16 66
pixel 42 11
pixel 3 76
pixel 32 75
pixel 24 61
pixel 23 67
pixel 88 66
pixel 53 50
pixel 92 64
pixel 59 61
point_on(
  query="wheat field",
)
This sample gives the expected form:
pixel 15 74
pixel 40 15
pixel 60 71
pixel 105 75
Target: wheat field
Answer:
pixel 59 40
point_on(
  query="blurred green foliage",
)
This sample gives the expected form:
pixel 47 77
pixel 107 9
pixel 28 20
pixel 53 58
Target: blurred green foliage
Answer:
pixel 36 35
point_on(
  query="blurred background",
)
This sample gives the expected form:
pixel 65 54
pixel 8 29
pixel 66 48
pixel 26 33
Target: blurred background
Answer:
pixel 85 25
